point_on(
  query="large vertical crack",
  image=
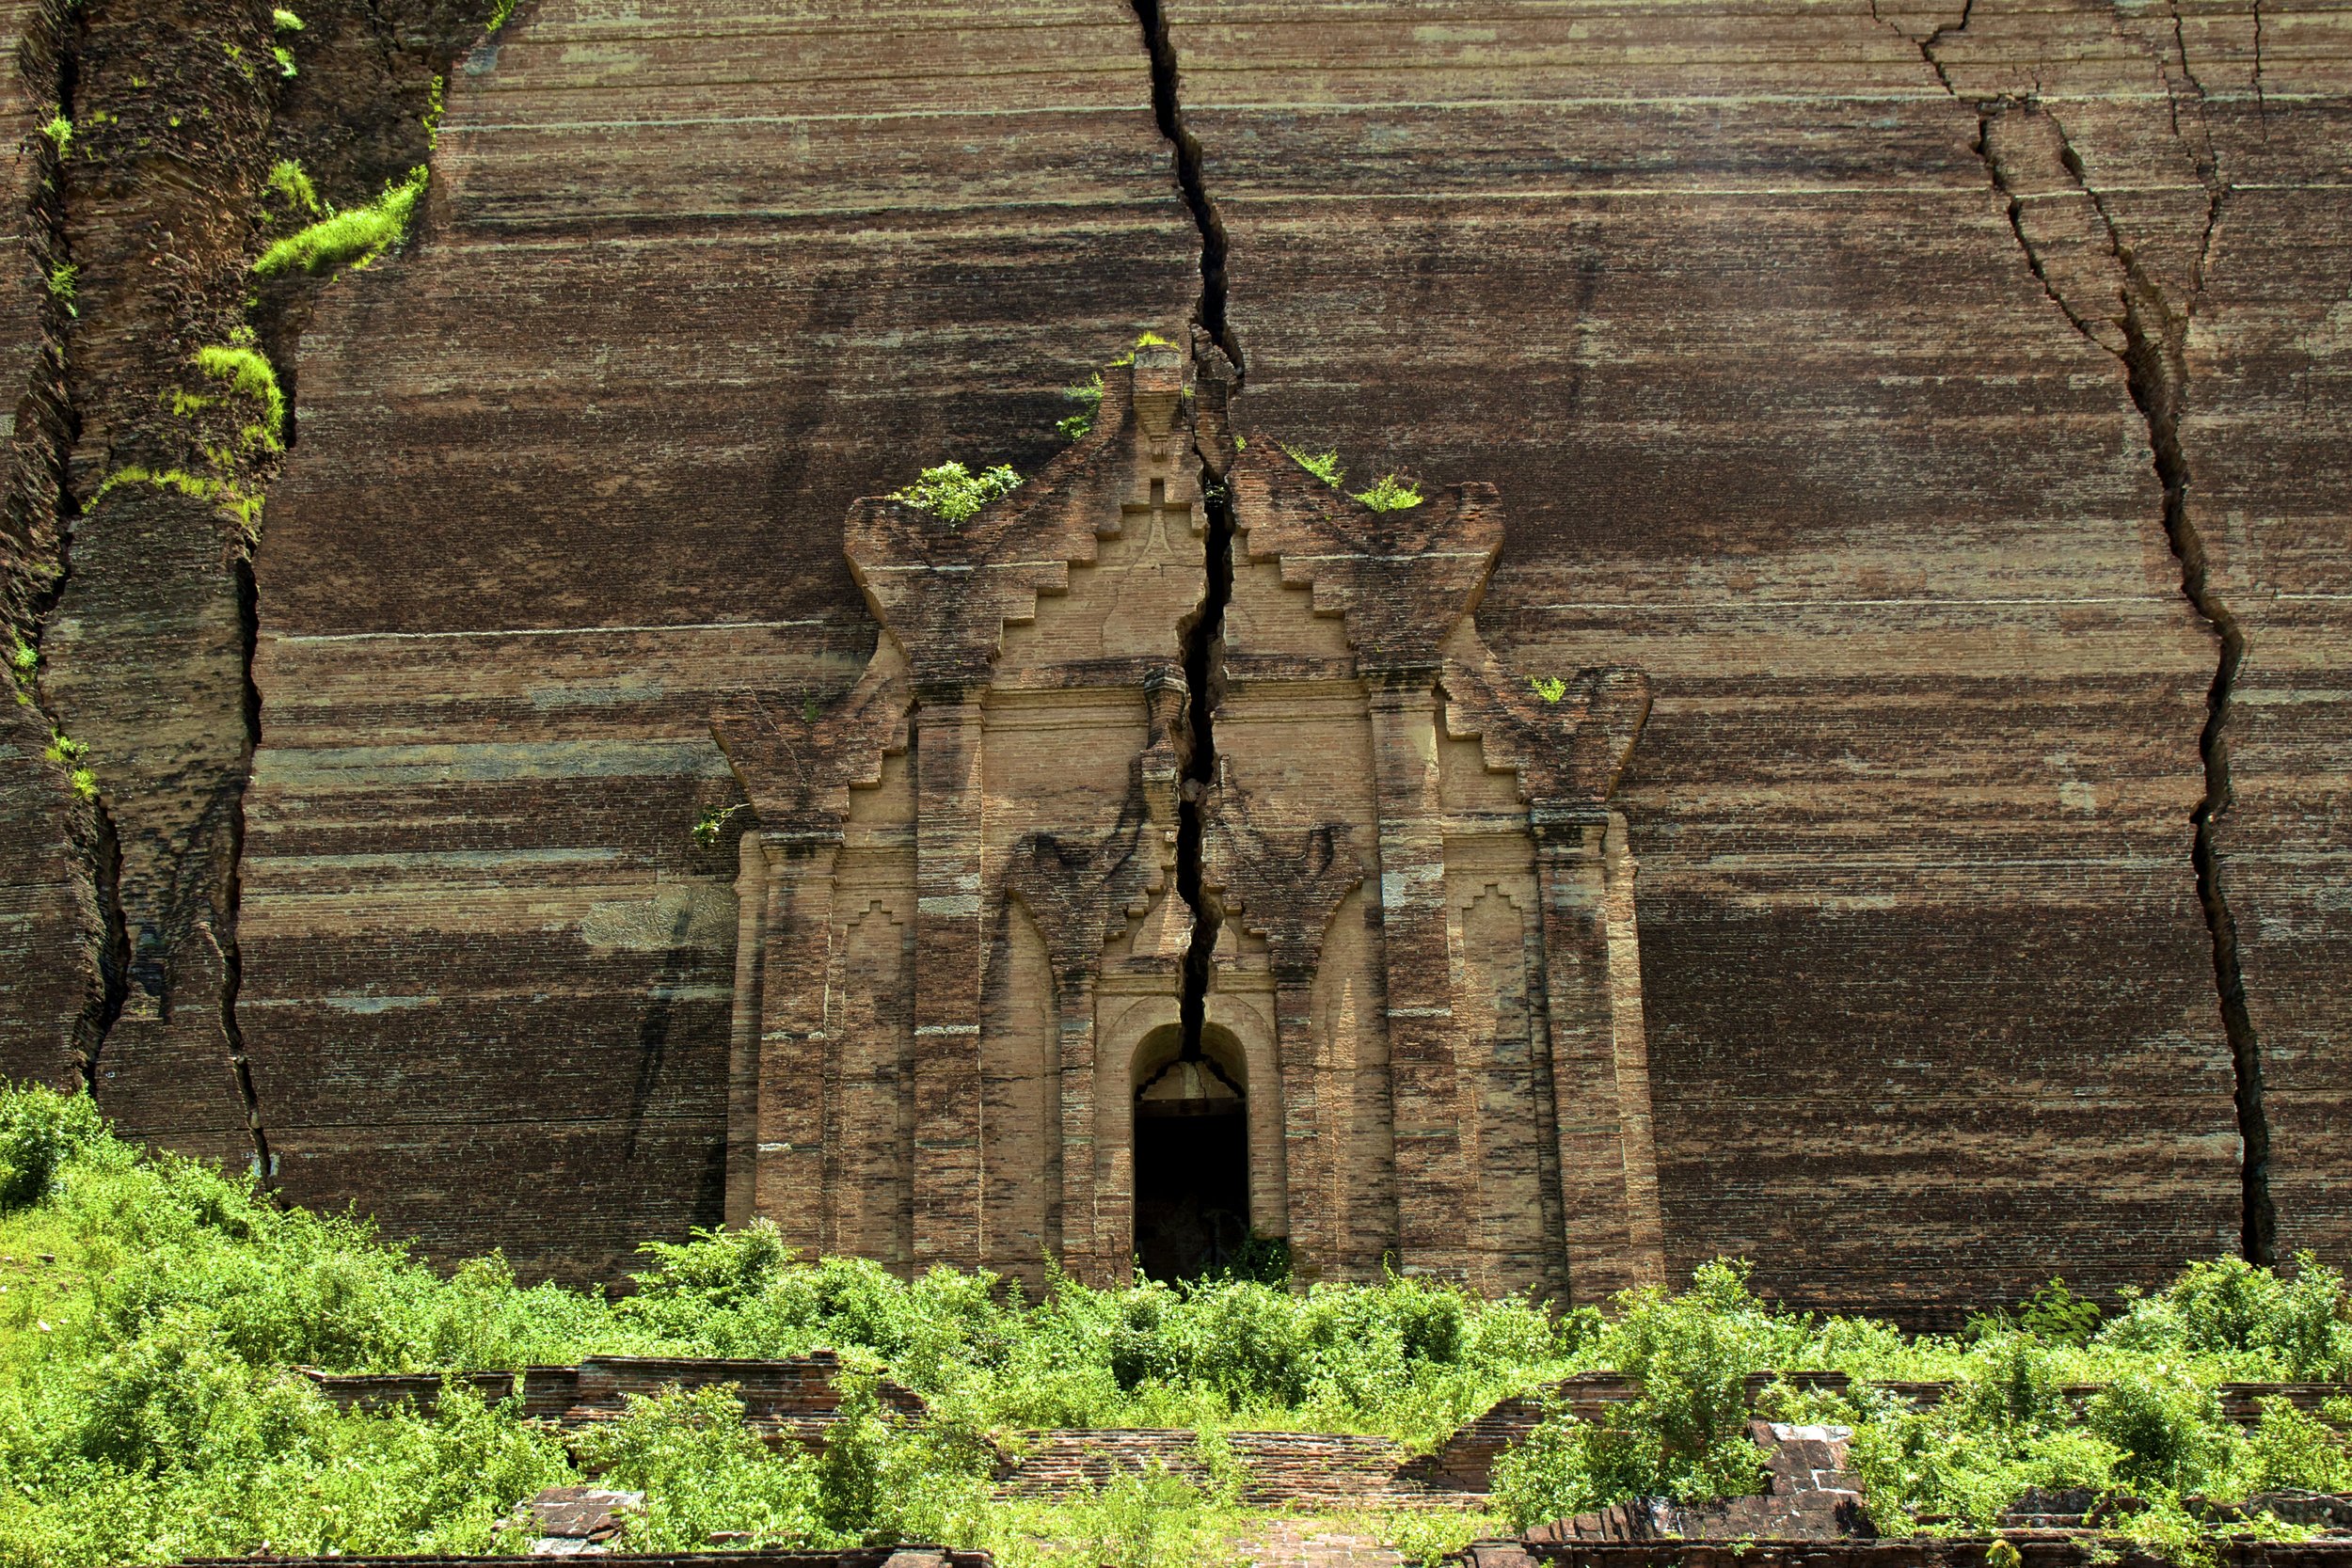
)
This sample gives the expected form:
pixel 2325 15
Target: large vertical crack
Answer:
pixel 1168 110
pixel 1203 651
pixel 2148 334
pixel 159 866
pixel 1203 635
pixel 41 514
pixel 233 956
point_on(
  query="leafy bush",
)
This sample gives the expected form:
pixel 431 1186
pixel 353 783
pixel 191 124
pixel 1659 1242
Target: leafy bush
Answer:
pixel 38 1132
pixel 2260 1323
pixel 352 238
pixel 952 493
pixel 703 1471
pixel 2170 1432
pixel 1686 1434
pixel 2291 1447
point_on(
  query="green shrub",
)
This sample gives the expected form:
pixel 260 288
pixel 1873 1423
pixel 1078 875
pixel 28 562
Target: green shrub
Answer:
pixel 2257 1323
pixel 953 494
pixel 703 1471
pixel 2172 1433
pixel 1392 494
pixel 2058 1315
pixel 352 238
pixel 38 1132
pixel 1151 1520
pixel 2294 1448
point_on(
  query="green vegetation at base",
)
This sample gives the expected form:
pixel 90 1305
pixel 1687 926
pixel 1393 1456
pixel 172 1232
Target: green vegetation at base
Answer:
pixel 953 494
pixel 2153 1432
pixel 151 1309
pixel 352 238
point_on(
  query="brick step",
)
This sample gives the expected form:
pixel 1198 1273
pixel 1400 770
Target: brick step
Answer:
pixel 1280 1468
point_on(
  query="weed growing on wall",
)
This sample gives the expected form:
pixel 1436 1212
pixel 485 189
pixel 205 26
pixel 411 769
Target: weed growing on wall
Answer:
pixel 1392 494
pixel 352 238
pixel 68 753
pixel 953 494
pixel 1324 465
pixel 230 428
pixel 285 22
pixel 1078 426
pixel 290 184
pixel 710 824
pixel 153 1308
pixel 23 668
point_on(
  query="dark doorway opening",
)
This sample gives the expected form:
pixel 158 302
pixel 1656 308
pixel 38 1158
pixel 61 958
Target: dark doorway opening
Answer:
pixel 1192 1167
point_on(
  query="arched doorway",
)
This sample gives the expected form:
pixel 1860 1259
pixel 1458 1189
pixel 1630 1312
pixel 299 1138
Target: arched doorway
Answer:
pixel 1192 1154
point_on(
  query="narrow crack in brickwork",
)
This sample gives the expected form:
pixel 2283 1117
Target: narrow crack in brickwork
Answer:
pixel 111 943
pixel 1204 633
pixel 41 515
pixel 2152 338
pixel 232 953
pixel 1167 108
pixel 1204 647
pixel 203 894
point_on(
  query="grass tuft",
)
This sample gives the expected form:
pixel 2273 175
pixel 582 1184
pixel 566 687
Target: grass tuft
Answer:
pixel 1392 494
pixel 347 238
pixel 1078 426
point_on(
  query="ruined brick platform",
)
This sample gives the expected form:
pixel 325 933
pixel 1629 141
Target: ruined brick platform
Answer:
pixel 1281 1469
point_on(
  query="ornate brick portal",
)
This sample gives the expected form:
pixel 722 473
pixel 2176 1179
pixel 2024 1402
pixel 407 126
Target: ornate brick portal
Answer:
pixel 960 964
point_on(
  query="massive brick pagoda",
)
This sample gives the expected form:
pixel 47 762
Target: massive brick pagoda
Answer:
pixel 961 1026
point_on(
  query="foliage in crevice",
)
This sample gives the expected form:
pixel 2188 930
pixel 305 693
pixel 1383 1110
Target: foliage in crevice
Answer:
pixel 352 238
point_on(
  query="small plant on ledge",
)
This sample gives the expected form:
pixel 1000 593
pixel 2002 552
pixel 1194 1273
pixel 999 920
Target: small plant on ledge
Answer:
pixel 1089 397
pixel 1549 687
pixel 1324 465
pixel 952 493
pixel 1392 494
pixel 711 823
